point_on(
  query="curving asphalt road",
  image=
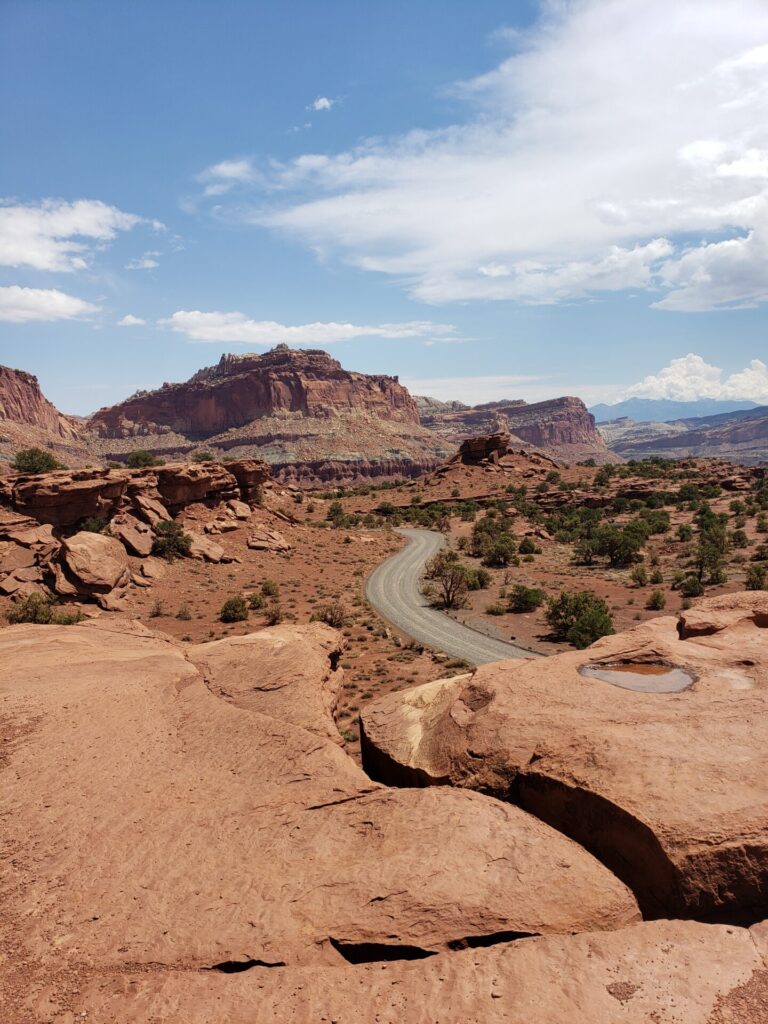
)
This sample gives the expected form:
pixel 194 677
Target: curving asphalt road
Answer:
pixel 394 590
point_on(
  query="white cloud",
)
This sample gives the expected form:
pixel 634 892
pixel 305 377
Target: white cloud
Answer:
pixel 23 305
pixel 129 320
pixel 322 103
pixel 148 261
pixel 237 327
pixel 220 178
pixel 45 235
pixel 690 378
pixel 618 129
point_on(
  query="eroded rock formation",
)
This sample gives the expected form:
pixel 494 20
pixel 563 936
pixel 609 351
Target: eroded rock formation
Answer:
pixel 166 812
pixel 240 389
pixel 667 789
pixel 561 427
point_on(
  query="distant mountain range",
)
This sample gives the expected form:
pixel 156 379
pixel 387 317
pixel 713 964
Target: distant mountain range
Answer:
pixel 662 410
pixel 741 436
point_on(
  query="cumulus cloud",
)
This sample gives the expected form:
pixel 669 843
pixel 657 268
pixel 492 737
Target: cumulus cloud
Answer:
pixel 22 305
pixel 624 144
pixel 237 327
pixel 129 320
pixel 690 378
pixel 322 103
pixel 48 235
pixel 148 261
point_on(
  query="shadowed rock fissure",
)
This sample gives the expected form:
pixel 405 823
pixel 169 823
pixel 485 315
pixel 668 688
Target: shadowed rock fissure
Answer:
pixel 238 966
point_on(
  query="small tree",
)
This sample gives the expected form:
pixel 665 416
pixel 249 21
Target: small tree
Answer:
pixel 579 618
pixel 35 460
pixel 449 577
pixel 170 541
pixel 234 610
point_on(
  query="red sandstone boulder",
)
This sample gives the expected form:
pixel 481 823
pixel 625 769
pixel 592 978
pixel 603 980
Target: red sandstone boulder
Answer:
pixel 94 563
pixel 135 536
pixel 668 789
pixel 156 827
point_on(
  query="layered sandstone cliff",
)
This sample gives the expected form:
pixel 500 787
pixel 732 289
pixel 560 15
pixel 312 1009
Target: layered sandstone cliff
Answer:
pixel 28 419
pixel 561 427
pixel 241 389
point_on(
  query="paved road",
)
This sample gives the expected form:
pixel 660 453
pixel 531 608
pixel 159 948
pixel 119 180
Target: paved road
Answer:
pixel 394 590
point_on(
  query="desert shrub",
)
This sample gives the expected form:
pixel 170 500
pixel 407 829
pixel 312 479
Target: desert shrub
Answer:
pixel 639 575
pixel 495 609
pixel 94 524
pixel 42 611
pixel 478 579
pixel 273 613
pixel 234 609
pixel 739 539
pixel 184 613
pixel 157 610
pixel 256 601
pixel 691 586
pixel 333 614
pixel 140 459
pixel 529 547
pixel 684 532
pixel 203 456
pixel 657 577
pixel 579 618
pixel 35 460
pixel 757 577
pixel 525 599
pixel 656 601
pixel 170 541
pixel 269 588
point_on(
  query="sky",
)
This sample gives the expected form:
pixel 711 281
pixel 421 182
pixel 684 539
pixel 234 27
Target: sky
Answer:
pixel 489 199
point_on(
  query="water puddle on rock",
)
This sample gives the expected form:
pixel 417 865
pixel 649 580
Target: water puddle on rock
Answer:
pixel 653 677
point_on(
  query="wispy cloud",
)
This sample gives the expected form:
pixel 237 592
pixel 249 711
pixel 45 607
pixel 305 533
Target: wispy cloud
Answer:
pixel 237 327
pixel 604 154
pixel 48 235
pixel 147 261
pixel 23 305
pixel 129 320
pixel 322 103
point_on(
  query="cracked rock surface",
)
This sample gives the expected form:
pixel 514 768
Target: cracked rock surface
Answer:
pixel 154 823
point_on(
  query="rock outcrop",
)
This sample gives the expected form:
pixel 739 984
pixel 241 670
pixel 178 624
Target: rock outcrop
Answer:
pixel 158 821
pixel 28 419
pixel 240 389
pixel 68 532
pixel 667 789
pixel 301 411
pixel 22 401
pixel 562 428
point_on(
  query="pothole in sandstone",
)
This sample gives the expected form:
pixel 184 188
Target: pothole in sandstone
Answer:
pixel 644 677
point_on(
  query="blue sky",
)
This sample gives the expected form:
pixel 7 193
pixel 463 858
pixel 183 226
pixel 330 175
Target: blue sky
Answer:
pixel 489 199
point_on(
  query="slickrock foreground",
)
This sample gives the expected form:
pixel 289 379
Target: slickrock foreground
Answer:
pixel 156 820
pixel 669 790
